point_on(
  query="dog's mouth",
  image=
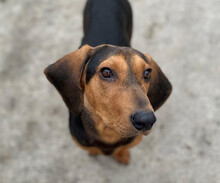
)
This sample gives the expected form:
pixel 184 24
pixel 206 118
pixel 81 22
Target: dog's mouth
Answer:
pixel 133 132
pixel 127 131
pixel 146 132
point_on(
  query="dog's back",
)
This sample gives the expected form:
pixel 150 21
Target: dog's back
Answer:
pixel 107 22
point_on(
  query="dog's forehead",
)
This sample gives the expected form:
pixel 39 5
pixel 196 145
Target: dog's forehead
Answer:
pixel 105 52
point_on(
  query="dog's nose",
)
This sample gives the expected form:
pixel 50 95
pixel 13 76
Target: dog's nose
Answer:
pixel 143 120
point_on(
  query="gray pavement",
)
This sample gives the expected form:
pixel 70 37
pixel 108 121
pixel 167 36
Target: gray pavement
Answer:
pixel 35 145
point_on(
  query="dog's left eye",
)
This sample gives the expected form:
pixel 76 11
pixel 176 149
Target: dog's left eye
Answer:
pixel 106 73
pixel 147 74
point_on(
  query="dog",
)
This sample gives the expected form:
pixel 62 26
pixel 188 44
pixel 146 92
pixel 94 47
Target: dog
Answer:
pixel 111 90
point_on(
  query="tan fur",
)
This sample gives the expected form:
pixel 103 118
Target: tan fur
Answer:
pixel 111 104
pixel 139 65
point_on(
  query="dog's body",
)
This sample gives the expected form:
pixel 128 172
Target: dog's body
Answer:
pixel 107 22
pixel 111 91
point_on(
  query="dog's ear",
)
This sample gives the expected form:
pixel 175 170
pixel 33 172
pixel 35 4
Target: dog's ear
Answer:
pixel 65 75
pixel 160 87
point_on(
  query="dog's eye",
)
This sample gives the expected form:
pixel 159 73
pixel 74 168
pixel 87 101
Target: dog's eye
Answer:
pixel 147 74
pixel 106 73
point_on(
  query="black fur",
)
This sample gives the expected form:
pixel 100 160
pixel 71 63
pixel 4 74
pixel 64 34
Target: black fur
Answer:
pixel 107 22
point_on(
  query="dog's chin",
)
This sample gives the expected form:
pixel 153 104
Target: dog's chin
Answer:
pixel 131 132
pixel 127 131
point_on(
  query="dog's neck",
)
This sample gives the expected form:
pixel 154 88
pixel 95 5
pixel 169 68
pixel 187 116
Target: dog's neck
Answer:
pixel 107 27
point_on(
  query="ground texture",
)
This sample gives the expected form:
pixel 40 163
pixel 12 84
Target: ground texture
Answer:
pixel 35 145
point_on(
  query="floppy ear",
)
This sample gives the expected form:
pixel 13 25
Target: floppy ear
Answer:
pixel 160 87
pixel 65 75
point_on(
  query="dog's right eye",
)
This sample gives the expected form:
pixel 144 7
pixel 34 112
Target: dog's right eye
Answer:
pixel 106 73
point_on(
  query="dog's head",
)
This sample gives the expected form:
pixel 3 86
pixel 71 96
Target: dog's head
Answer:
pixel 119 87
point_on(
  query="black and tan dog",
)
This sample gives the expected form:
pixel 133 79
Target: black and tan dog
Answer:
pixel 111 91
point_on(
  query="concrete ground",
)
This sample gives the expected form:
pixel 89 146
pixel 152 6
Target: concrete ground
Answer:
pixel 35 145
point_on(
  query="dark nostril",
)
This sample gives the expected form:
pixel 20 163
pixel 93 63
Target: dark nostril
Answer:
pixel 143 120
pixel 132 118
pixel 139 126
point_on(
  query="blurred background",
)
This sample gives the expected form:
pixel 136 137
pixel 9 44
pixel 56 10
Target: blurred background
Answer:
pixel 35 145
